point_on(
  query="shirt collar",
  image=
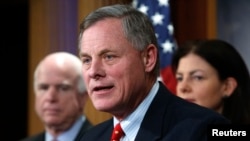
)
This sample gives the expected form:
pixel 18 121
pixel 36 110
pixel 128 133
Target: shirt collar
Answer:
pixel 132 122
pixel 71 133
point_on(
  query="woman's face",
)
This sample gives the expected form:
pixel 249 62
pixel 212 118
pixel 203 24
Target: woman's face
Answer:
pixel 198 82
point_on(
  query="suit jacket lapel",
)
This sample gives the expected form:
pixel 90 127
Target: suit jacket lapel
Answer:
pixel 105 131
pixel 85 126
pixel 151 127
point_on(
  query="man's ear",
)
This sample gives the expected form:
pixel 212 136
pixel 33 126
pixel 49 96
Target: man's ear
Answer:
pixel 150 58
pixel 230 86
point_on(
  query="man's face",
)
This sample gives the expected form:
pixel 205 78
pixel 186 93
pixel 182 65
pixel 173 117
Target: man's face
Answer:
pixel 58 102
pixel 113 70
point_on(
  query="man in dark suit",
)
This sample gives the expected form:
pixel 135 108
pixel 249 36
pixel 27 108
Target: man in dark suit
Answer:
pixel 60 96
pixel 120 58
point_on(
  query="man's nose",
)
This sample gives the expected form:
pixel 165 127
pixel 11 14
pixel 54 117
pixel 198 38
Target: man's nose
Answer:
pixel 96 70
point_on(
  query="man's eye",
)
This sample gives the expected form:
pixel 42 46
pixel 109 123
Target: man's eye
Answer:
pixel 85 60
pixel 64 88
pixel 43 87
pixel 109 57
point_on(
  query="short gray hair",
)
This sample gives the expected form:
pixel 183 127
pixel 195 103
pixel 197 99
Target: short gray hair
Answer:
pixel 73 61
pixel 137 27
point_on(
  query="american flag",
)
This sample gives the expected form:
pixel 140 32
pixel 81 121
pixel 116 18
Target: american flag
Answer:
pixel 159 13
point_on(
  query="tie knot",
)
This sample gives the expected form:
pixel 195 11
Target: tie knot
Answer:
pixel 117 133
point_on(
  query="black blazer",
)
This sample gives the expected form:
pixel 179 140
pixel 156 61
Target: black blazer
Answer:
pixel 41 136
pixel 169 118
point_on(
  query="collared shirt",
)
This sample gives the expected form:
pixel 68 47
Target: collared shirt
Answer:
pixel 132 123
pixel 70 134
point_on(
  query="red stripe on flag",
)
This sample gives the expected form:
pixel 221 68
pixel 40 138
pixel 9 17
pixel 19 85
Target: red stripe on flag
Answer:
pixel 168 78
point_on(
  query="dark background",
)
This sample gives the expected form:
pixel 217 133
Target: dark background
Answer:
pixel 14 69
pixel 188 18
pixel 233 25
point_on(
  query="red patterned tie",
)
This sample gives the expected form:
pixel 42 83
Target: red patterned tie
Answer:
pixel 117 133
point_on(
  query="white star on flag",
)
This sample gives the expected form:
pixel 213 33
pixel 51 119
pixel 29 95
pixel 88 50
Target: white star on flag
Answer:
pixel 157 18
pixel 143 9
pixel 167 46
pixel 163 3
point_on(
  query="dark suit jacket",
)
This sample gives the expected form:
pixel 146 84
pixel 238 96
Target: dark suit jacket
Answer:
pixel 169 118
pixel 41 136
